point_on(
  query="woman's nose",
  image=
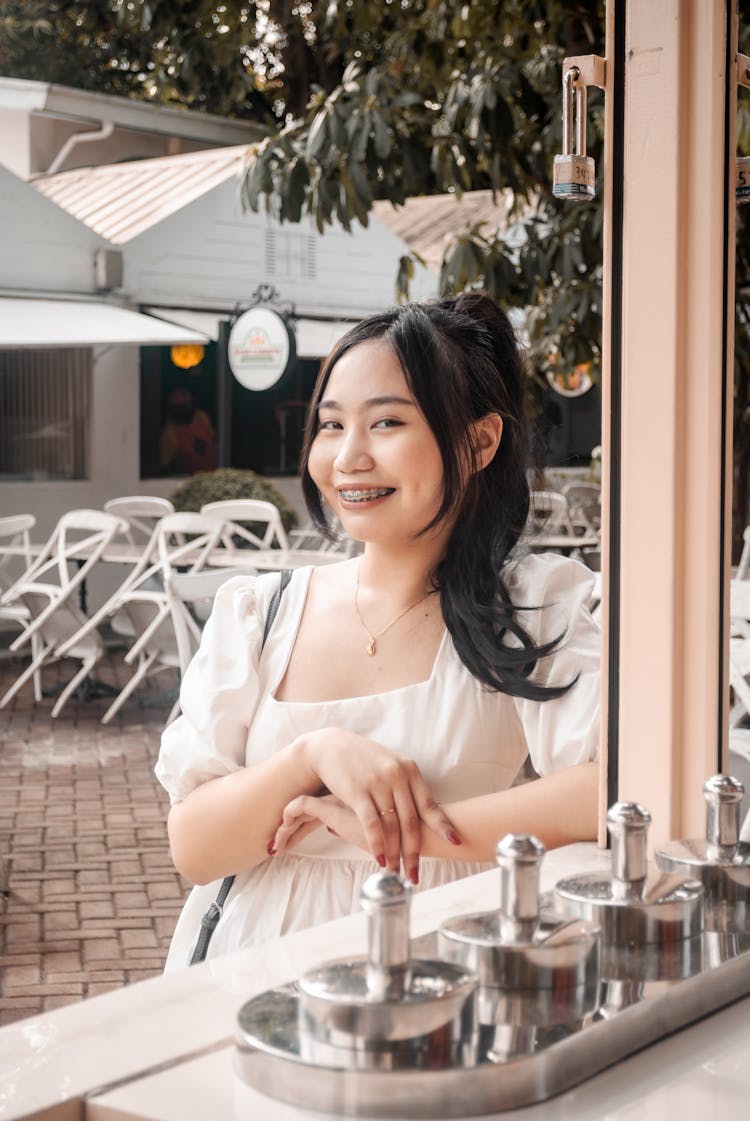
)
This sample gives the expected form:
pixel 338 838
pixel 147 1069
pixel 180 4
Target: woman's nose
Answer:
pixel 353 453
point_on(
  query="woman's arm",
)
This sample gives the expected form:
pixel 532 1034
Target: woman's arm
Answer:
pixel 228 823
pixel 558 809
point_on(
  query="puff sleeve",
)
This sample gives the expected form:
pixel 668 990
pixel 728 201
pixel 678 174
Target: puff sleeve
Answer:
pixel 563 732
pixel 218 695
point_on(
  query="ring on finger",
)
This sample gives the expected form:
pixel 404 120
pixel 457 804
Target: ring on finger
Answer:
pixel 382 813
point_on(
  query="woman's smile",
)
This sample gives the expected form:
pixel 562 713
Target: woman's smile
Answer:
pixel 359 496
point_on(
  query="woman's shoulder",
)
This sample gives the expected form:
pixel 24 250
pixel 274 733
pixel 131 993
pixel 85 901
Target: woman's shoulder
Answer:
pixel 251 593
pixel 551 594
pixel 251 588
pixel 330 572
pixel 538 579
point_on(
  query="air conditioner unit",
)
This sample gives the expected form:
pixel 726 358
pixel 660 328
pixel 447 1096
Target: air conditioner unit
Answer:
pixel 107 269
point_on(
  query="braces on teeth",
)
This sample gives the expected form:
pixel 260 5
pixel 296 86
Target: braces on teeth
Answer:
pixel 359 495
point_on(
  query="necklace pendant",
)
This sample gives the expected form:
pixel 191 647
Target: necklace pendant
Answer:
pixel 371 646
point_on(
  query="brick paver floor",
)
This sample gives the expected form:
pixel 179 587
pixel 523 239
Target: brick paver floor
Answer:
pixel 92 896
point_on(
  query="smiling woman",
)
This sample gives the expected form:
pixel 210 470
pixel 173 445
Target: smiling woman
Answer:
pixel 398 694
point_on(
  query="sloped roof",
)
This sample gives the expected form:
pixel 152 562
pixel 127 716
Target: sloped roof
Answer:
pixel 428 224
pixel 53 100
pixel 120 201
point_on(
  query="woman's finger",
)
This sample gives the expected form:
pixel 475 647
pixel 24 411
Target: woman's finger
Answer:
pixel 386 807
pixel 303 830
pixel 305 814
pixel 410 832
pixel 371 824
pixel 296 813
pixel 431 813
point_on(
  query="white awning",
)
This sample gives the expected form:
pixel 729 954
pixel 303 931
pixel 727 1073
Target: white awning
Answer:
pixel 43 323
pixel 315 337
pixel 207 322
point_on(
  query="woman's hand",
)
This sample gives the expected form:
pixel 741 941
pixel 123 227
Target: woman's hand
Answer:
pixel 307 813
pixel 386 793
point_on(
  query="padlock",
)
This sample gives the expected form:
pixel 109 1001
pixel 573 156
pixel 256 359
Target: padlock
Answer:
pixel 574 173
pixel 742 179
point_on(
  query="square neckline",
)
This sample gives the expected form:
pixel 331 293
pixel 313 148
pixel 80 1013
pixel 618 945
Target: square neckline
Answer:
pixel 361 697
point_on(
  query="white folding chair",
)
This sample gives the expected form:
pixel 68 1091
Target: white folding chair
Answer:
pixel 744 561
pixel 15 533
pixel 739 652
pixel 584 507
pixel 309 538
pixel 47 590
pixel 548 513
pixel 181 540
pixel 249 521
pixel 167 625
pixel 141 512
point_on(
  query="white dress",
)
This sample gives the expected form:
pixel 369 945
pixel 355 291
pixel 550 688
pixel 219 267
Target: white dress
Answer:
pixel 466 739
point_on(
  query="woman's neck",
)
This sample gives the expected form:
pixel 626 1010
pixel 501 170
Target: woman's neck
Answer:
pixel 399 572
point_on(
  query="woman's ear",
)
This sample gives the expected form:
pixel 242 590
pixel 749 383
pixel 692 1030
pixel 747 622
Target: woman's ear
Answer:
pixel 486 435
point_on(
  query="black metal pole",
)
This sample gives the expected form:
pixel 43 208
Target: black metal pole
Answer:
pixel 223 398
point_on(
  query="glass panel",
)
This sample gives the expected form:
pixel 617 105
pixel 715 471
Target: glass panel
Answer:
pixel 739 594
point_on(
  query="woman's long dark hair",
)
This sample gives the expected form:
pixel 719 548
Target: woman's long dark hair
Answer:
pixel 461 362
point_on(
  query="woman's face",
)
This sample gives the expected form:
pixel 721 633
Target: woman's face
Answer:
pixel 375 459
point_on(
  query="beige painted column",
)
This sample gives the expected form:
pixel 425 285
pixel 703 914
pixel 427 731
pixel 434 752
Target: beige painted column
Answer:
pixel 672 394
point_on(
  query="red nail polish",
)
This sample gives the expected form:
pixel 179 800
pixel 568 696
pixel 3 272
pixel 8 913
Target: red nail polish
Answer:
pixel 270 849
pixel 381 860
pixel 414 875
pixel 453 837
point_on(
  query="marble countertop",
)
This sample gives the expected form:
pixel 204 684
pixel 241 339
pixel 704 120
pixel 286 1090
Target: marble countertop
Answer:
pixel 161 1049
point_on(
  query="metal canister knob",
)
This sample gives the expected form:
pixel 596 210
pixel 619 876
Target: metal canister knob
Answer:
pixel 535 969
pixel 650 921
pixel 721 861
pixel 387 1010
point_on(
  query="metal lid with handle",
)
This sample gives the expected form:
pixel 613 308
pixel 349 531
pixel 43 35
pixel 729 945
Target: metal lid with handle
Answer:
pixel 536 968
pixel 649 919
pixel 721 861
pixel 387 1008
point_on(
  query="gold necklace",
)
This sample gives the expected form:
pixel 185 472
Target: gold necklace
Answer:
pixel 371 647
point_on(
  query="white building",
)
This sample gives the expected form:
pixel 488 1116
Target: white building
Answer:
pixel 165 235
pixel 69 359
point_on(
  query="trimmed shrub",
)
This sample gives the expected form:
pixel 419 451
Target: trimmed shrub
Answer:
pixel 229 482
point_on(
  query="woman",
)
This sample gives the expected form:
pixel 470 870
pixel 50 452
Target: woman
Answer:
pixel 399 693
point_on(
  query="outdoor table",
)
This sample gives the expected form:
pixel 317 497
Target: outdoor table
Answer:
pixel 270 559
pixel 561 542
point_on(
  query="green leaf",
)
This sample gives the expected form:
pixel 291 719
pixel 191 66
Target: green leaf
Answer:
pixel 318 135
pixel 361 183
pixel 296 189
pixel 383 136
pixel 360 136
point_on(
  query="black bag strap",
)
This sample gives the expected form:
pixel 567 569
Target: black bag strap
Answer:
pixel 274 603
pixel 210 920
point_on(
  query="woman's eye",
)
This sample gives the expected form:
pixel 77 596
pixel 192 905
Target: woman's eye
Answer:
pixel 388 422
pixel 328 425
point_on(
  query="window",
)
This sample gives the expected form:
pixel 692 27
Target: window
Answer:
pixel 178 413
pixel 45 411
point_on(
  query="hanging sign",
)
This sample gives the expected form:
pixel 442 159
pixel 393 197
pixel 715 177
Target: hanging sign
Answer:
pixel 259 349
